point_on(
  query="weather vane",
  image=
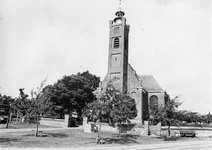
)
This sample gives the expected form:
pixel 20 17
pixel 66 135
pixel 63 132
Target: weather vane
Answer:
pixel 119 5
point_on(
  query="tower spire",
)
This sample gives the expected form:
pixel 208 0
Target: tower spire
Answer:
pixel 119 5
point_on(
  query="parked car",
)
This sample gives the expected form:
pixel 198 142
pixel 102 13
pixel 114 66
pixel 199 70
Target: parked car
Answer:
pixel 187 133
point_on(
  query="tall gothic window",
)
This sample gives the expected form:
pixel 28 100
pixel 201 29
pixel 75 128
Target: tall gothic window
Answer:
pixel 153 101
pixel 116 43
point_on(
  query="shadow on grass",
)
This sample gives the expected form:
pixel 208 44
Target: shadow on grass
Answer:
pixel 124 139
pixel 4 140
pixel 55 135
pixel 58 135
pixel 167 138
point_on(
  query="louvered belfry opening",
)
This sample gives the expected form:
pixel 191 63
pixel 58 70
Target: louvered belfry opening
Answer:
pixel 116 43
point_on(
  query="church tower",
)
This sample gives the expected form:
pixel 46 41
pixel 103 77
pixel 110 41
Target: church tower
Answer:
pixel 118 51
pixel 144 89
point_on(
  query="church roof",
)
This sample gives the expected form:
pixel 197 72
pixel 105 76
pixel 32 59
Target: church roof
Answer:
pixel 150 84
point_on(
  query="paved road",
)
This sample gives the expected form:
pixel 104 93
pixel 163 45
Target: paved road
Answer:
pixel 194 145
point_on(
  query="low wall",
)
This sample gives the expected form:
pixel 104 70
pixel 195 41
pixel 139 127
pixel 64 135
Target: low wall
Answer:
pixel 92 127
pixel 52 122
pixel 155 129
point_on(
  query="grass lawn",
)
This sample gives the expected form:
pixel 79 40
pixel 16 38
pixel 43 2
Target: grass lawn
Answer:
pixel 68 138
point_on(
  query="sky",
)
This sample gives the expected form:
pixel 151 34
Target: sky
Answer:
pixel 169 39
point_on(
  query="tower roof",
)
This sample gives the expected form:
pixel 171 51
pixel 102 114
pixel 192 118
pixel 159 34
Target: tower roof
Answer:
pixel 119 13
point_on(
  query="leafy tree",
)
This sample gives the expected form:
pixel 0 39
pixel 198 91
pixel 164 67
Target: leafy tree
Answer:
pixel 182 115
pixel 6 100
pixel 38 104
pixel 18 106
pixel 53 110
pixel 209 118
pixel 92 82
pixel 166 114
pixel 71 93
pixel 193 117
pixel 98 111
pixel 123 107
pixel 21 105
pixel 112 107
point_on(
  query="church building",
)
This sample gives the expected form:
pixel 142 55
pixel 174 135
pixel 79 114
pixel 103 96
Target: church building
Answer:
pixel 143 88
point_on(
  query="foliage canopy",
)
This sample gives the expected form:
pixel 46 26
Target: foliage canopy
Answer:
pixel 112 107
pixel 71 93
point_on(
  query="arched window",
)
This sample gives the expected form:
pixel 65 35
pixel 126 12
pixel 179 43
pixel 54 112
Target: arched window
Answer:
pixel 116 43
pixel 153 101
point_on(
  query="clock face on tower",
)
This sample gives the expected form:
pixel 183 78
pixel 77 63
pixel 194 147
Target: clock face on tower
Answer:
pixel 116 30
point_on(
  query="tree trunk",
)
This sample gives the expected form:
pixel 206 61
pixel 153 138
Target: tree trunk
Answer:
pixel 120 129
pixel 16 117
pixel 98 138
pixel 36 132
pixel 100 126
pixel 21 117
pixel 70 121
pixel 10 118
pixel 27 118
pixel 169 132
